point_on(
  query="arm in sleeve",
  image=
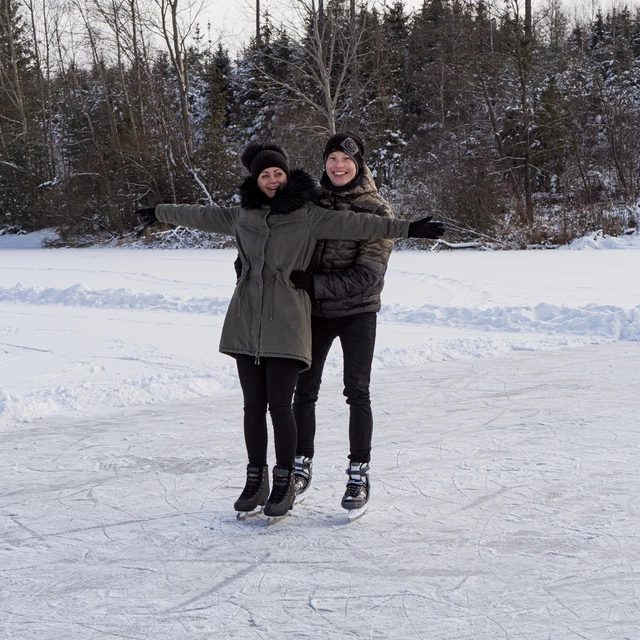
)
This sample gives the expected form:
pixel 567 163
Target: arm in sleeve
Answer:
pixel 202 217
pixel 346 225
pixel 367 270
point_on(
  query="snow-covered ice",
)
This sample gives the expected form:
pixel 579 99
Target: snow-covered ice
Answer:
pixel 505 496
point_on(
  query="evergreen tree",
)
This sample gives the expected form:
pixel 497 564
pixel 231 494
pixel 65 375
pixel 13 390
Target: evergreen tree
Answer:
pixel 23 165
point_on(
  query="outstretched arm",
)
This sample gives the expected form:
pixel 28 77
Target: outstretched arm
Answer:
pixel 202 217
pixel 344 225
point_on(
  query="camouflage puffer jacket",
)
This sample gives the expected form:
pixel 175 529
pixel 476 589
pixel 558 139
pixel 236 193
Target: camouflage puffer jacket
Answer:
pixel 348 276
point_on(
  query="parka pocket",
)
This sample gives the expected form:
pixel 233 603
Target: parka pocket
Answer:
pixel 278 277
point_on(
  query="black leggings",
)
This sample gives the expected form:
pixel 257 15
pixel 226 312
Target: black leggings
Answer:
pixel 269 383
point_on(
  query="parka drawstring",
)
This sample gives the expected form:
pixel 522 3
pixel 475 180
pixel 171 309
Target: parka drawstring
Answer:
pixel 240 287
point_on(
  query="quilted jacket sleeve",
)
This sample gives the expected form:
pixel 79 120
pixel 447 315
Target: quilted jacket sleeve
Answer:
pixel 366 269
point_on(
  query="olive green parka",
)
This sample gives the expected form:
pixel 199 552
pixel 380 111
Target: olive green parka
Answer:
pixel 267 315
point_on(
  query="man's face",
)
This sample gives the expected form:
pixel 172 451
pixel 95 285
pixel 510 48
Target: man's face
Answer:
pixel 340 168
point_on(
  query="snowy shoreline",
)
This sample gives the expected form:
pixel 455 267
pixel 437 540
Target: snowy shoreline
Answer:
pixel 92 329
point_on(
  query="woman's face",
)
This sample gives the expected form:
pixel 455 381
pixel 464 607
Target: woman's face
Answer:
pixel 340 168
pixel 272 179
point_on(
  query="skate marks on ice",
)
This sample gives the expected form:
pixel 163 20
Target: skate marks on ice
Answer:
pixel 505 505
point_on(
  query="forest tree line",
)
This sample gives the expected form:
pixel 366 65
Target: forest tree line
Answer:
pixel 516 128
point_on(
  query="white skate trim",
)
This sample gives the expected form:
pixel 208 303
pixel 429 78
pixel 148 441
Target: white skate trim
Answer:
pixel 354 514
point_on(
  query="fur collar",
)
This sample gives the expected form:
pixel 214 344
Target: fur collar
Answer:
pixel 300 189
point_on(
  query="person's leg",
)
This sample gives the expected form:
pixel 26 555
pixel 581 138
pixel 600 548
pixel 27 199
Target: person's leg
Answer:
pixel 308 386
pixel 357 336
pixel 256 489
pixel 281 377
pixel 254 388
pixel 282 374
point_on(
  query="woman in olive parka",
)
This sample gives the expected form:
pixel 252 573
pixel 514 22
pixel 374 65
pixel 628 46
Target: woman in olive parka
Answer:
pixel 267 328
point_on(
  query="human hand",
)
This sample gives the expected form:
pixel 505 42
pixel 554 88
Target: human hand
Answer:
pixel 147 216
pixel 302 280
pixel 426 229
pixel 237 265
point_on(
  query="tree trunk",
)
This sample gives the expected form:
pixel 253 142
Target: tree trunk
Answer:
pixel 257 20
pixel 353 39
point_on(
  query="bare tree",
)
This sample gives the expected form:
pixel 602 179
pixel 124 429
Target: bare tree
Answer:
pixel 176 24
pixel 327 55
pixel 41 37
pixel 11 81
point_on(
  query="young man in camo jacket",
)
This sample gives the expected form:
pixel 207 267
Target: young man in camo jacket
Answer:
pixel 344 280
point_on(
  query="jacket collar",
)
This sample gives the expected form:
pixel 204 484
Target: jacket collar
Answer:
pixel 300 189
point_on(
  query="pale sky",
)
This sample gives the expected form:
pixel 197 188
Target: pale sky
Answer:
pixel 234 20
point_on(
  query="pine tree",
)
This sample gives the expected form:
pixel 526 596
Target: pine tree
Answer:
pixel 23 160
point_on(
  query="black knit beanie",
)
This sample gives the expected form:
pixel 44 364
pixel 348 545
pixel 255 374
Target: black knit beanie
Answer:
pixel 348 143
pixel 257 157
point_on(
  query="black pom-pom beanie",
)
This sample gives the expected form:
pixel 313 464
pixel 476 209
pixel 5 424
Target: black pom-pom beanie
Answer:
pixel 257 157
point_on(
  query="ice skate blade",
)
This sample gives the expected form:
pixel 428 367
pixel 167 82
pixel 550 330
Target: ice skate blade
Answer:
pixel 243 515
pixel 300 498
pixel 355 514
pixel 271 520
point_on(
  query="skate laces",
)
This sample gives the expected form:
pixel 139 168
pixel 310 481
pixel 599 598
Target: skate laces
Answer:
pixel 358 478
pixel 354 489
pixel 281 481
pixel 254 480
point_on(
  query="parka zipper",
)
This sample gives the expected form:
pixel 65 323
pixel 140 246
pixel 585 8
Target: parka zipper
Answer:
pixel 259 301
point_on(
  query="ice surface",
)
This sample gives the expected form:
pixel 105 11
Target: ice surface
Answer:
pixel 505 504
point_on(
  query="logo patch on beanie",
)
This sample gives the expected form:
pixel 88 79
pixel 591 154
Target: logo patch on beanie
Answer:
pixel 350 146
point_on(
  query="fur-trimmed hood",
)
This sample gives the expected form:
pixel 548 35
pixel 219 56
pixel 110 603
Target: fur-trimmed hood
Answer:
pixel 300 189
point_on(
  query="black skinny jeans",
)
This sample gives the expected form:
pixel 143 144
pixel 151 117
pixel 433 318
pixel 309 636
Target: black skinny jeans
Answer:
pixel 357 335
pixel 269 384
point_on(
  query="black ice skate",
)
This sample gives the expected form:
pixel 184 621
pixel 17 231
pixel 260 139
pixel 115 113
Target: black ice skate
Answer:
pixel 302 469
pixel 356 497
pixel 255 492
pixel 280 501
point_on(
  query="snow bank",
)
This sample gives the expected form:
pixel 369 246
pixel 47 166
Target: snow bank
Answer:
pixel 81 296
pixel 27 240
pixel 152 389
pixel 594 321
pixel 599 240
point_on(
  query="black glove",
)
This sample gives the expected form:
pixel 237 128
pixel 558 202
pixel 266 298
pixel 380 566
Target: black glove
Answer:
pixel 425 229
pixel 302 280
pixel 147 216
pixel 237 265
